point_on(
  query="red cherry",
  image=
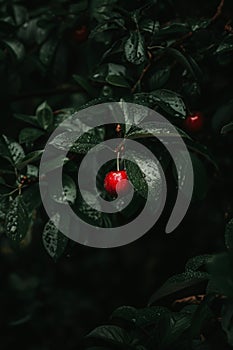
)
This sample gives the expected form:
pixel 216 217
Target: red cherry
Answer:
pixel 194 122
pixel 113 181
pixel 80 34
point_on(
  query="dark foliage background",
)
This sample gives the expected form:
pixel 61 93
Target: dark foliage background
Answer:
pixel 57 52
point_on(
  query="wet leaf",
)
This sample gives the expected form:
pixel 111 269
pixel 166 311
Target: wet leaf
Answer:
pixel 54 241
pixel 29 135
pixel 17 220
pixel 135 48
pixel 44 115
pixel 68 194
pixel 171 102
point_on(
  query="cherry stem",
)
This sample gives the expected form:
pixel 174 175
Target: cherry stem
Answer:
pixel 118 161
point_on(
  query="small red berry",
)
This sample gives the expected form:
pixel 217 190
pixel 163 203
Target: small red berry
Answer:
pixel 113 182
pixel 80 34
pixel 194 122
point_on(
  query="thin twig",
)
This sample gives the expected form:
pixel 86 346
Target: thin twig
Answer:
pixel 143 73
pixel 118 161
pixel 218 11
pixel 179 41
pixel 193 299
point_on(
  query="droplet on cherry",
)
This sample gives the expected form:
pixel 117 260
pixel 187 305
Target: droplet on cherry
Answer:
pixel 114 182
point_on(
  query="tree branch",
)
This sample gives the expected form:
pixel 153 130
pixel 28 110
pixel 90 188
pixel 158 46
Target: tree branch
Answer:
pixel 218 11
pixel 143 73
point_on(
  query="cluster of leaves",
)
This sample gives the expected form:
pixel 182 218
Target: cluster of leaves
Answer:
pixel 34 43
pixel 196 322
pixel 20 175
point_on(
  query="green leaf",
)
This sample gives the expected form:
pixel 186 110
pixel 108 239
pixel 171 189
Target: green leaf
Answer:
pixel 4 206
pixel 198 73
pixel 173 326
pixel 84 143
pixel 29 158
pixel 145 99
pixel 155 129
pixel 202 150
pixel 132 114
pixel 222 116
pixel 90 215
pixel 197 24
pixel 96 101
pixel 61 115
pixel 135 48
pixel 127 313
pixel 227 128
pixel 200 187
pixel 225 46
pixel 99 75
pixel 47 51
pixel 114 74
pixel 78 7
pixel 103 27
pixel 54 241
pixel 20 14
pixel 173 29
pixel 196 262
pixel 183 60
pixel 30 119
pixel 17 220
pixel 149 25
pixel 32 171
pixel 221 273
pixel 68 194
pixel 54 163
pixel 139 317
pixel 11 150
pixel 112 334
pixel 159 78
pixel 137 179
pixel 201 315
pixel 28 135
pixel 4 151
pixel 16 48
pixel 44 115
pixel 116 69
pixel 179 282
pixel 101 10
pixel 144 175
pixel 117 80
pixel 171 102
pixel 229 235
pixel 16 151
pixel 31 197
pixel 85 85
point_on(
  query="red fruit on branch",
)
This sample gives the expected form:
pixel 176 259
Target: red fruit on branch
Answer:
pixel 194 122
pixel 113 182
pixel 80 34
